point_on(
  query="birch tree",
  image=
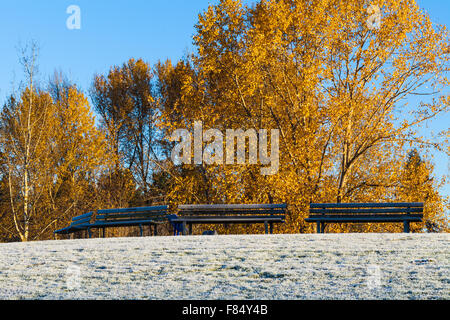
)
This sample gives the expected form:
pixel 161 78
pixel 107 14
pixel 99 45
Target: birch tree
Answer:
pixel 24 131
pixel 52 155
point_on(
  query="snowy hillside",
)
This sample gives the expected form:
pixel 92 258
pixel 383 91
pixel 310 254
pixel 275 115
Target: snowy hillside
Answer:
pixel 315 266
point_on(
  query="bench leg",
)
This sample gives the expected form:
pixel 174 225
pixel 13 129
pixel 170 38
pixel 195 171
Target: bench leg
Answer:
pixel 184 228
pixel 320 227
pixel 271 228
pixel 406 226
pixel 190 229
pixel 175 230
pixel 89 232
pixel 140 229
pixel 266 227
pixel 156 230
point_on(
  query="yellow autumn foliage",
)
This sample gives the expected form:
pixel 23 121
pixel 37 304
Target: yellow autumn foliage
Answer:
pixel 329 82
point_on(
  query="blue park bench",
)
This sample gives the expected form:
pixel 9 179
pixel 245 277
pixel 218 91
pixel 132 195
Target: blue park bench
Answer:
pixel 190 214
pixel 322 213
pixel 123 217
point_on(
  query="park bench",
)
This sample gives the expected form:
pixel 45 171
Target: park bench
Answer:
pixel 123 217
pixel 79 223
pixel 268 214
pixel 322 213
pixel 128 217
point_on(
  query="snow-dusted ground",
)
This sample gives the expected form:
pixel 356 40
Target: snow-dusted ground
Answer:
pixel 314 266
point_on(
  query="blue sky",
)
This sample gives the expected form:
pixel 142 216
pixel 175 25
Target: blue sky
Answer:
pixel 114 31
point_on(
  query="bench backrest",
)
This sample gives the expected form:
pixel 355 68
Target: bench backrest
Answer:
pixel 231 209
pixel 154 213
pixel 81 220
pixel 366 208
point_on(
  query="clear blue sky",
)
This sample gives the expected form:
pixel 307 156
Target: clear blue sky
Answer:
pixel 114 31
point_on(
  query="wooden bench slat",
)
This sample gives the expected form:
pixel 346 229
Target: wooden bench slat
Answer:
pixel 365 218
pixel 231 212
pixel 83 216
pixel 125 223
pixel 223 218
pixel 131 215
pixel 387 210
pixel 62 231
pixel 81 221
pixel 134 209
pixel 231 220
pixel 230 206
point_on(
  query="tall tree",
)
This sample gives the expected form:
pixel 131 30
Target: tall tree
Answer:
pixel 51 149
pixel 125 100
pixel 24 136
pixel 333 84
pixel 417 184
pixel 79 152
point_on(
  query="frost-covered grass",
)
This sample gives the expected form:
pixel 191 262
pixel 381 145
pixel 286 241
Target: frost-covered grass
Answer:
pixel 314 266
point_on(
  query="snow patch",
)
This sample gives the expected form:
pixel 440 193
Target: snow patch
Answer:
pixel 297 266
